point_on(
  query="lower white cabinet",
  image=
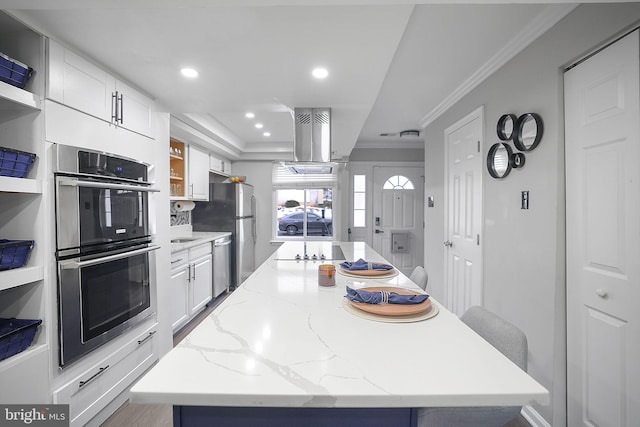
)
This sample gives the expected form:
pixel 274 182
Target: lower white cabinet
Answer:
pixel 90 391
pixel 191 283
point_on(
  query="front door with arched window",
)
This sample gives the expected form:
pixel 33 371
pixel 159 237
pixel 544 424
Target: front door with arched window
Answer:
pixel 398 216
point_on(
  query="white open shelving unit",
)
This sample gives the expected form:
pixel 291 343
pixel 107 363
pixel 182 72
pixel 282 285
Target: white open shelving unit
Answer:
pixel 25 291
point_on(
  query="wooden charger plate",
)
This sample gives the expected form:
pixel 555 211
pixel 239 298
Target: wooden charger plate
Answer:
pixel 374 273
pixel 392 309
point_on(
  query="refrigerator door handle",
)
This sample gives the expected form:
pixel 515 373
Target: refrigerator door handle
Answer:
pixel 253 220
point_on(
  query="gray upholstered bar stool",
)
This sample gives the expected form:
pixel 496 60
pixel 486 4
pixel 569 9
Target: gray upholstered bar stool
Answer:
pixel 419 277
pixel 511 342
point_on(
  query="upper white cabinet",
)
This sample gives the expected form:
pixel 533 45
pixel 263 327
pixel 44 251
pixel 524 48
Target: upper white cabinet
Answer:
pixel 79 84
pixel 198 173
pixel 134 109
pixel 219 165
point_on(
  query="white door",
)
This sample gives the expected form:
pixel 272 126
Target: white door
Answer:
pixel 198 173
pixel 135 109
pixel 462 242
pixel 201 283
pixel 398 215
pixel 179 290
pixel 602 115
pixel 76 82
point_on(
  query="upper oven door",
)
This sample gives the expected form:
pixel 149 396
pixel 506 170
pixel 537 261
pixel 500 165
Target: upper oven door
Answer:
pixel 90 213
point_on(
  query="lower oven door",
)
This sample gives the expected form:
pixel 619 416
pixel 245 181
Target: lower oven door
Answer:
pixel 101 297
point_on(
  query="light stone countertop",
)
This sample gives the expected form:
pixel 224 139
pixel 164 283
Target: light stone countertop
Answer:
pixel 196 238
pixel 280 340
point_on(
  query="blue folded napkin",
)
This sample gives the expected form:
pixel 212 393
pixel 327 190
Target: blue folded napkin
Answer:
pixel 383 297
pixel 364 265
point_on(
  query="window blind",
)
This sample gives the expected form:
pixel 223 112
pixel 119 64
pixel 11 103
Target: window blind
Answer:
pixel 282 177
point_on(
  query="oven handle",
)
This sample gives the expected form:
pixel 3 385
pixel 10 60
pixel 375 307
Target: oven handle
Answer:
pixel 75 265
pixel 92 184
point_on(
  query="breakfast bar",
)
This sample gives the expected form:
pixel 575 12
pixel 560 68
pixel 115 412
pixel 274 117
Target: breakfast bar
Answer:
pixel 282 350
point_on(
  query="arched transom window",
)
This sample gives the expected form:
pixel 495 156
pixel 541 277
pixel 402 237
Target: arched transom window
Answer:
pixel 398 182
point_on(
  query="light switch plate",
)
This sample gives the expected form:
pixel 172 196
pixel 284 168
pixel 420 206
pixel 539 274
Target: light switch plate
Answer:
pixel 524 199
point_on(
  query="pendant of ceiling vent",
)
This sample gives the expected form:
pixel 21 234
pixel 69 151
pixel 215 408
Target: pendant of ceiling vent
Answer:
pixel 409 132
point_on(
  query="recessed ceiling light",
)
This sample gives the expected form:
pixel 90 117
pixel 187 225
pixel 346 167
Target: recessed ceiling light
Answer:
pixel 189 72
pixel 267 134
pixel 249 115
pixel 320 73
pixel 259 125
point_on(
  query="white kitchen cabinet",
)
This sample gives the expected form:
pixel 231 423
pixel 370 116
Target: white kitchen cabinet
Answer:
pixel 219 165
pixel 90 390
pixel 202 283
pixel 191 283
pixel 134 109
pixel 179 289
pixel 198 186
pixel 80 84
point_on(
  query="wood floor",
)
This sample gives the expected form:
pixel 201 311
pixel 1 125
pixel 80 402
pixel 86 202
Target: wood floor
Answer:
pixel 135 415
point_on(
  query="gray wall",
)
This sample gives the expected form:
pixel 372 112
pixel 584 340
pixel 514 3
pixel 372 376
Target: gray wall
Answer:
pixel 386 154
pixel 524 260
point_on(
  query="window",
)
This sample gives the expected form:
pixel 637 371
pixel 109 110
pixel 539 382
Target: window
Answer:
pixel 293 204
pixel 303 203
pixel 359 200
pixel 398 182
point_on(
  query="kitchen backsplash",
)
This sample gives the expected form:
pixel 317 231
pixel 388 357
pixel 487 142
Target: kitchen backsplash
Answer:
pixel 179 218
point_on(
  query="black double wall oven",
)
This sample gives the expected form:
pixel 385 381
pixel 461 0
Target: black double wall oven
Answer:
pixel 104 247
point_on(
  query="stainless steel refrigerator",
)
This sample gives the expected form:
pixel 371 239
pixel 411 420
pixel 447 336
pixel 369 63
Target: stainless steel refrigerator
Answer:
pixel 231 207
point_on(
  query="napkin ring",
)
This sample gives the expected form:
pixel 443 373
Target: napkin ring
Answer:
pixel 385 297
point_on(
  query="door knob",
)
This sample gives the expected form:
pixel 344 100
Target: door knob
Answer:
pixel 448 243
pixel 379 231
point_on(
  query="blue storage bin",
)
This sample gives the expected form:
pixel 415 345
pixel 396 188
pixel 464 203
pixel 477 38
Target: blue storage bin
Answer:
pixel 15 163
pixel 14 253
pixel 14 72
pixel 16 335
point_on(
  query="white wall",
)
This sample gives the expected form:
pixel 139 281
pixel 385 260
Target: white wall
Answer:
pixel 162 231
pixel 524 263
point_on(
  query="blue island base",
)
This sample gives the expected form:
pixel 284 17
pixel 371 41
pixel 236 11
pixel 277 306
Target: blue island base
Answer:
pixel 192 416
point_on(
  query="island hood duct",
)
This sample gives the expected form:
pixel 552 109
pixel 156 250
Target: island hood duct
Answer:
pixel 312 141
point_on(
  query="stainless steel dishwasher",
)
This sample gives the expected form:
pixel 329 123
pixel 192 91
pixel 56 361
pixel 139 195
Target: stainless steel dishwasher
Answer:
pixel 221 265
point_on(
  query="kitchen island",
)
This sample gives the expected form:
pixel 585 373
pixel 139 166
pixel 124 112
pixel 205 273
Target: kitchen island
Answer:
pixel 283 349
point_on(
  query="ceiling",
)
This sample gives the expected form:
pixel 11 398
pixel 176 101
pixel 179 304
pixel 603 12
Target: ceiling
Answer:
pixel 393 65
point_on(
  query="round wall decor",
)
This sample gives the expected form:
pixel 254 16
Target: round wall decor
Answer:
pixel 527 132
pixel 505 126
pixel 499 160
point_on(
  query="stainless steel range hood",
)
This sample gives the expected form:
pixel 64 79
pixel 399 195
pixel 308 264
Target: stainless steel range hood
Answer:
pixel 312 141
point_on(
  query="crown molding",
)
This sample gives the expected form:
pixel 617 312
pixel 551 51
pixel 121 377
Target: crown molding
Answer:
pixel 549 17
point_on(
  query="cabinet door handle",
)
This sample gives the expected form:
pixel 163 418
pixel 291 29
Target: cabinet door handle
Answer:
pixel 93 377
pixel 121 102
pixel 193 271
pixel 114 107
pixel 147 338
